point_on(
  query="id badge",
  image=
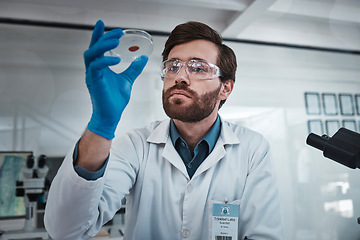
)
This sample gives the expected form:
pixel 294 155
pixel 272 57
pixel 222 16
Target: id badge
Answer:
pixel 225 218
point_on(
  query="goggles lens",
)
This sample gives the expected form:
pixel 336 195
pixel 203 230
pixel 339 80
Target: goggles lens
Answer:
pixel 196 69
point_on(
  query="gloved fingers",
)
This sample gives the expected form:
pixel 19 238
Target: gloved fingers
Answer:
pixel 103 62
pixel 97 32
pixel 98 50
pixel 114 33
pixel 108 41
pixel 135 68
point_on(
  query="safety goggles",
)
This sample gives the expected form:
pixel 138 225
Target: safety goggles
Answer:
pixel 195 68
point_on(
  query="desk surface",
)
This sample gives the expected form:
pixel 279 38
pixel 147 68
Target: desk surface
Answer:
pixel 103 235
pixel 111 232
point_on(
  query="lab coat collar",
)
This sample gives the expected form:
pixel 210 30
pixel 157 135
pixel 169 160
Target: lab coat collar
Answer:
pixel 227 137
pixel 227 134
pixel 161 135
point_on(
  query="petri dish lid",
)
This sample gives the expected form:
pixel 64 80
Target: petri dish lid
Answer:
pixel 133 44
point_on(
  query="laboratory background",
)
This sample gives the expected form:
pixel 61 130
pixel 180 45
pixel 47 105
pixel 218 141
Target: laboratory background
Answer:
pixel 298 72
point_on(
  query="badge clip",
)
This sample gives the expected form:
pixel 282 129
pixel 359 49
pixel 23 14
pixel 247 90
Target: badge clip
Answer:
pixel 225 210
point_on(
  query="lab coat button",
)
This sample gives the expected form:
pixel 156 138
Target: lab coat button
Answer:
pixel 189 188
pixel 185 233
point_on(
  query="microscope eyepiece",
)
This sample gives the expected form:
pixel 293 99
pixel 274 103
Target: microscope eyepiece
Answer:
pixel 30 161
pixel 42 161
pixel 316 141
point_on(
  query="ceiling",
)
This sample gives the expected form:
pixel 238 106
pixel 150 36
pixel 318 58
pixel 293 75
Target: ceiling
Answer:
pixel 316 23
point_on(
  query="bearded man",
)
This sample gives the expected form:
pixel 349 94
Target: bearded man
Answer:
pixel 192 176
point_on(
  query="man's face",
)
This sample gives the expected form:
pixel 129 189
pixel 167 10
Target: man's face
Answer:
pixel 187 99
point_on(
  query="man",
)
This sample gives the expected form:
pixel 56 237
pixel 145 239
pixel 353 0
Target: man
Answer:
pixel 193 176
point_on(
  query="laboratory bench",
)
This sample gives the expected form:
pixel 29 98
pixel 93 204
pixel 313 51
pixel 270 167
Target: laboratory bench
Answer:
pixel 111 231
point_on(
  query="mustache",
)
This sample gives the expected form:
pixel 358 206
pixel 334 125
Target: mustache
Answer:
pixel 180 87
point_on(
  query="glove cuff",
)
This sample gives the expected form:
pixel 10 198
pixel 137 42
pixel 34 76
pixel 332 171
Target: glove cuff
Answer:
pixel 101 129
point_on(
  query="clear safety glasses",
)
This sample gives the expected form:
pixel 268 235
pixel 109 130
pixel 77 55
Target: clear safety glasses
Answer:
pixel 195 68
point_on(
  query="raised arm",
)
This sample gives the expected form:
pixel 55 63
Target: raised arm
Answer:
pixel 75 207
pixel 109 92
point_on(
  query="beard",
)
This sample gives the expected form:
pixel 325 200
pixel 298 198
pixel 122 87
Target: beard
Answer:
pixel 200 108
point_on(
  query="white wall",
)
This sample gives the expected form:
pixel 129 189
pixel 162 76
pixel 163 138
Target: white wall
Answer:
pixel 44 107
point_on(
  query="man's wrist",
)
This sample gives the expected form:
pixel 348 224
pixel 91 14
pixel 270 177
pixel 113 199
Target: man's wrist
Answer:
pixel 82 172
pixel 93 151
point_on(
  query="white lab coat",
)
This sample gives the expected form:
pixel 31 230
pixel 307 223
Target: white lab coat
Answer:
pixel 162 202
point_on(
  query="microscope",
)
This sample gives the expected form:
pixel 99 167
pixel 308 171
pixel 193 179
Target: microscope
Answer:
pixel 343 147
pixel 31 188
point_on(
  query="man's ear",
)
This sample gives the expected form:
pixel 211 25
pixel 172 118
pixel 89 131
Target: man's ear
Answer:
pixel 226 89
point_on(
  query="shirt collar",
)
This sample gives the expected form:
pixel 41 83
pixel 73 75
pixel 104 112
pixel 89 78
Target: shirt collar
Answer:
pixel 210 138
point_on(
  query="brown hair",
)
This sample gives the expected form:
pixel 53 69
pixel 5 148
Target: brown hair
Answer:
pixel 190 31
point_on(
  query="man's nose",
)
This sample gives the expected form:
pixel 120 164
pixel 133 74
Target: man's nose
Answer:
pixel 182 76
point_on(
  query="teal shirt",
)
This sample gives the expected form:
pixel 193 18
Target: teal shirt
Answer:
pixel 202 149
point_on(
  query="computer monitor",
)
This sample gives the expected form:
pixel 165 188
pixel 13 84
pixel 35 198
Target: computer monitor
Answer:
pixel 11 164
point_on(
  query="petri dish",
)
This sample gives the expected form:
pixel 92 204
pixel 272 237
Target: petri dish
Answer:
pixel 133 44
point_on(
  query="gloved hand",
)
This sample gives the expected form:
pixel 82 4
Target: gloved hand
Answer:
pixel 109 91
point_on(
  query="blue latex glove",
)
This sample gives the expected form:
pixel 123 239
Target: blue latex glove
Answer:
pixel 109 91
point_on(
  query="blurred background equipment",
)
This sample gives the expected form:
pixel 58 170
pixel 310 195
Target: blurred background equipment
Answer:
pixel 31 188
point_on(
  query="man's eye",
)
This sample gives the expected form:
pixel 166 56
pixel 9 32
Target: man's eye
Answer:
pixel 173 68
pixel 198 68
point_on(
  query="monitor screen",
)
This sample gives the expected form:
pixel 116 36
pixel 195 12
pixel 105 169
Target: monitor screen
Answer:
pixel 11 164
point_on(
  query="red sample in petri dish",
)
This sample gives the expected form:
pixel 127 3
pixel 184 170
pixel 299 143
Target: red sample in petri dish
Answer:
pixel 134 48
pixel 133 44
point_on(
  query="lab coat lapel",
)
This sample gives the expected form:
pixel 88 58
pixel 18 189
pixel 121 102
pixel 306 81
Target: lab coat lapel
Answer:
pixel 174 158
pixel 160 135
pixel 227 137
